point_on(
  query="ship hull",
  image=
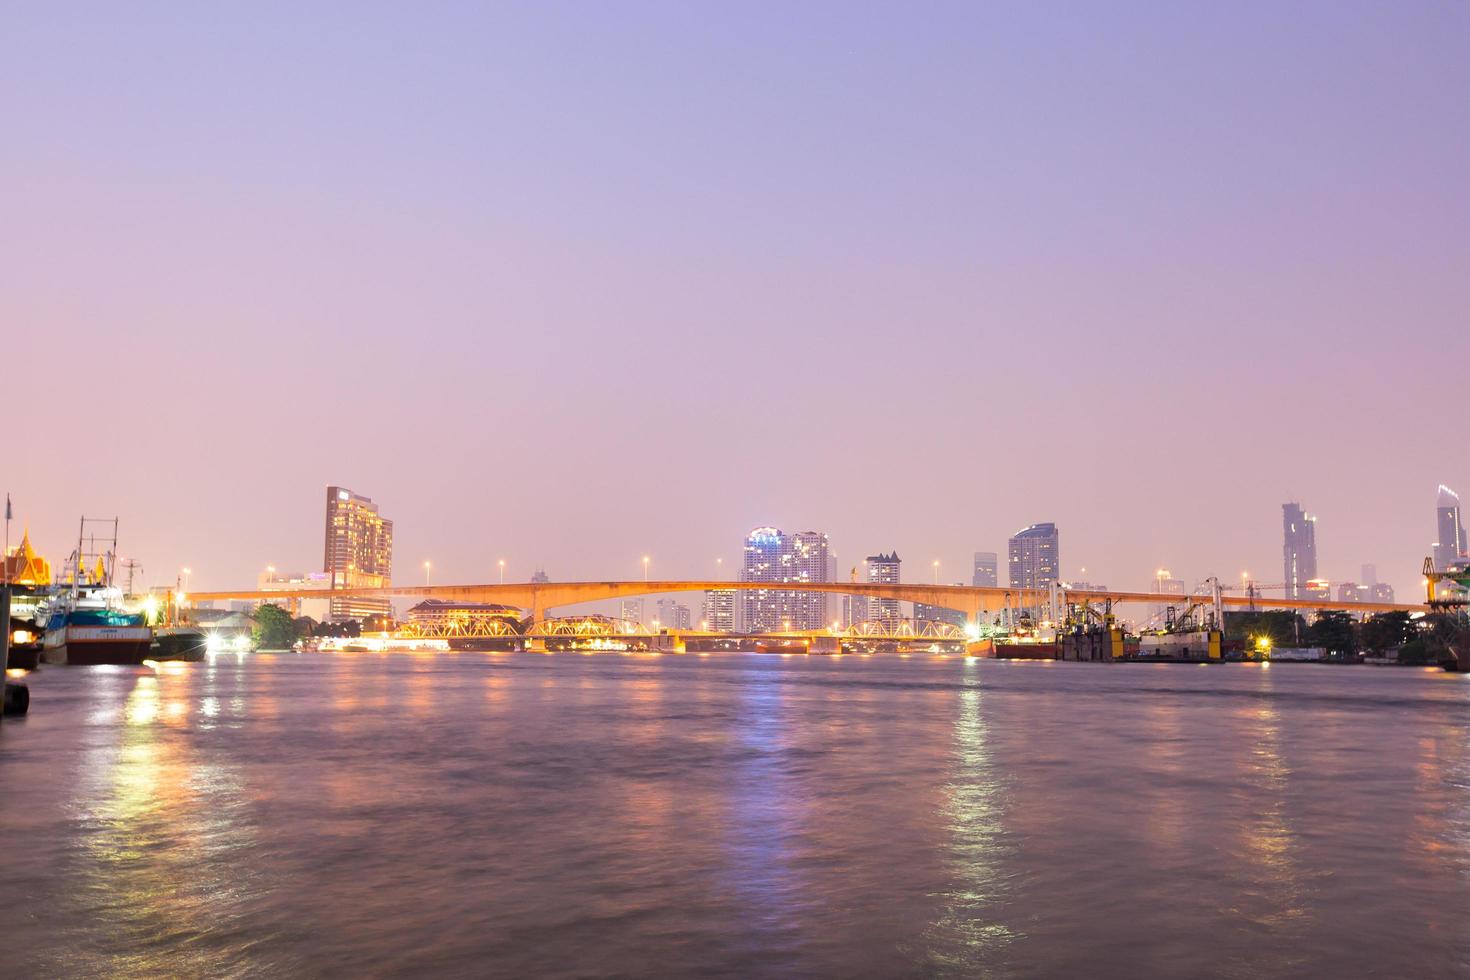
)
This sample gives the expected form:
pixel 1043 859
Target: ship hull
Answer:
pixel 93 646
pixel 190 645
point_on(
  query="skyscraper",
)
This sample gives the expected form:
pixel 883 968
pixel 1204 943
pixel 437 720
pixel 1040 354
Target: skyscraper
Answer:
pixel 719 609
pixel 1450 546
pixel 987 569
pixel 1034 556
pixel 883 569
pixel 631 611
pixel 809 562
pixel 359 553
pixel 672 614
pixel 771 556
pixel 1298 550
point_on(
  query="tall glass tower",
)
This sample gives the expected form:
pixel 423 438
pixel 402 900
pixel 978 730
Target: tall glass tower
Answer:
pixel 1298 550
pixel 1450 546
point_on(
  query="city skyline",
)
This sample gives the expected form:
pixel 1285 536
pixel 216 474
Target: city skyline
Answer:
pixel 253 227
pixel 827 561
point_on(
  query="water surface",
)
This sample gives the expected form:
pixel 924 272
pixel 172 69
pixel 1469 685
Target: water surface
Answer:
pixel 734 815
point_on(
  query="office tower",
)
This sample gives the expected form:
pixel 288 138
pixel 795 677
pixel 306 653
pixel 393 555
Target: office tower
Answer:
pixel 539 577
pixel 987 569
pixel 1034 557
pixel 359 554
pixel 810 562
pixel 1450 546
pixel 763 609
pixel 672 615
pixel 1369 575
pixel 719 609
pixel 1382 592
pixel 1299 549
pixel 771 556
pixel 939 614
pixel 1166 584
pixel 631 611
pixel 883 570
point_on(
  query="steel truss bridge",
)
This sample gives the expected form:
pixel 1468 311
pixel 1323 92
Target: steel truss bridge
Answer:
pixel 589 627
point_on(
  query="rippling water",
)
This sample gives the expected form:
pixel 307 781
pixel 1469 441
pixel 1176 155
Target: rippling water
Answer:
pixel 738 815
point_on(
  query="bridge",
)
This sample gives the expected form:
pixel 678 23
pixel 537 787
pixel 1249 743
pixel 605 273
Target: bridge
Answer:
pixel 537 598
pixel 604 632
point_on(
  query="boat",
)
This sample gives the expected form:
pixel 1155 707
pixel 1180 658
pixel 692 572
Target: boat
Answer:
pixel 180 642
pixel 85 622
pixel 89 636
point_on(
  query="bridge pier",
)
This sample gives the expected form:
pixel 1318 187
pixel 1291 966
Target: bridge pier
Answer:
pixel 668 643
pixel 535 644
pixel 828 645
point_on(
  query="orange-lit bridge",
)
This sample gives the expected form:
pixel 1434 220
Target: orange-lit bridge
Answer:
pixel 537 598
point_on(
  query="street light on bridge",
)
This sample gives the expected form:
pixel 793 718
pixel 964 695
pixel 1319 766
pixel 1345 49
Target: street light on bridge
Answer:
pixel 645 568
pixel 936 571
pixel 502 571
pixel 426 573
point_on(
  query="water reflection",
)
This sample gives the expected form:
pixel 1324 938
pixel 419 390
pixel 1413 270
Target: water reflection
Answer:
pixel 969 933
pixel 528 815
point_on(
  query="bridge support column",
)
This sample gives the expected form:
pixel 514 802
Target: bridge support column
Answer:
pixel 828 645
pixel 535 644
pixel 667 643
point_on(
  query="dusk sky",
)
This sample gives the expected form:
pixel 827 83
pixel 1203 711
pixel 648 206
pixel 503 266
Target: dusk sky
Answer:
pixel 571 284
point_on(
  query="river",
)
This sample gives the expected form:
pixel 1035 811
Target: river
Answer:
pixel 737 815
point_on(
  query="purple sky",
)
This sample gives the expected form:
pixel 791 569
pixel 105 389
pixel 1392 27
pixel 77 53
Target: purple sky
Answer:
pixel 566 285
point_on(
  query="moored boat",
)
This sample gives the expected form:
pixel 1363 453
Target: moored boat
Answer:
pixel 91 637
pixel 179 643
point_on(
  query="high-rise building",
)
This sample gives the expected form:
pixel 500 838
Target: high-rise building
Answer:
pixel 539 577
pixel 939 614
pixel 673 615
pixel 1316 588
pixel 719 609
pixel 987 569
pixel 1034 557
pixel 771 556
pixel 1299 549
pixel 1382 592
pixel 884 570
pixel 359 553
pixel 1369 575
pixel 1166 584
pixel 631 610
pixel 1450 546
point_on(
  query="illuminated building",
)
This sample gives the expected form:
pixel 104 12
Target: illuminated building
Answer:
pixel 771 556
pixel 442 614
pixel 1353 592
pixel 884 569
pixel 719 610
pixel 1299 549
pixel 673 615
pixel 631 610
pixel 24 567
pixel 1316 588
pixel 359 553
pixel 1166 584
pixel 1382 592
pixel 317 609
pixel 539 577
pixel 939 614
pixel 987 569
pixel 1034 557
pixel 1450 547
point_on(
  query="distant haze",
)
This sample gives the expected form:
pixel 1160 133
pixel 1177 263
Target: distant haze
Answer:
pixel 571 284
